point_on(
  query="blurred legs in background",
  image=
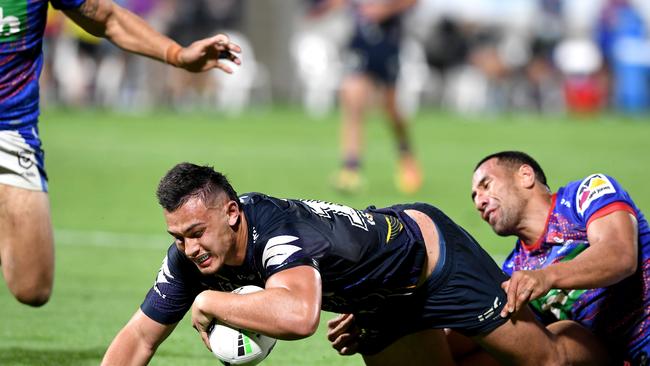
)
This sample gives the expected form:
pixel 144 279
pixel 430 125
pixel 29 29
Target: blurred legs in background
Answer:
pixel 356 93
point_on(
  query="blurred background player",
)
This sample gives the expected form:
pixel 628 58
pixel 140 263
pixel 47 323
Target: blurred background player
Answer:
pixel 372 61
pixel 26 246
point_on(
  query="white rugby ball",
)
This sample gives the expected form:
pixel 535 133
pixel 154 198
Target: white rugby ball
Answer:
pixel 240 346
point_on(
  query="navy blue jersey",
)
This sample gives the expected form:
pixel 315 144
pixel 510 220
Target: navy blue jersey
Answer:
pixel 362 256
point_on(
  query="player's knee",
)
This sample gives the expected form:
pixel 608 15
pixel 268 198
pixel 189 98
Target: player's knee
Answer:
pixel 36 294
pixel 34 298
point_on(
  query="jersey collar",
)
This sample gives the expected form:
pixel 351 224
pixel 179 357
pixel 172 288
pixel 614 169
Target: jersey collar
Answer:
pixel 540 240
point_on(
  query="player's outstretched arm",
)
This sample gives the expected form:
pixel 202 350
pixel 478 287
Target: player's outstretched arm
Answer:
pixel 103 18
pixel 136 343
pixel 611 257
pixel 288 308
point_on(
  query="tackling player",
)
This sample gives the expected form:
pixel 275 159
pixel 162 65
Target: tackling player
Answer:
pixel 583 253
pixel 405 272
pixel 26 246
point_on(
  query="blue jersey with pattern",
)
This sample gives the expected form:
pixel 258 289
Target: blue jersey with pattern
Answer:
pixel 362 256
pixel 618 314
pixel 22 23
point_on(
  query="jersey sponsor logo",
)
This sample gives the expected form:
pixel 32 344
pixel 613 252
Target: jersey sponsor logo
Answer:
pixel 164 274
pixel 592 188
pixel 277 250
pixel 325 209
pixel 12 17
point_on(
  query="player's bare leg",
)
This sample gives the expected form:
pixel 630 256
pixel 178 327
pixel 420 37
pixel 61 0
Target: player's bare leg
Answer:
pixel 355 92
pixel 582 347
pixel 466 351
pixel 26 244
pixel 409 176
pixel 428 347
pixel 541 346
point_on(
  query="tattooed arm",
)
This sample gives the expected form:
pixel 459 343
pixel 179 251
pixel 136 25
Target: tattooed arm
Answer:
pixel 103 18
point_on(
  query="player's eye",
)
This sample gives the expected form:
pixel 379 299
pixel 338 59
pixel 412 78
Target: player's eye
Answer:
pixel 179 241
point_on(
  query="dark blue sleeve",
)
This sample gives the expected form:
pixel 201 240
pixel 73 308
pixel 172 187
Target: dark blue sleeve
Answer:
pixel 66 4
pixel 174 290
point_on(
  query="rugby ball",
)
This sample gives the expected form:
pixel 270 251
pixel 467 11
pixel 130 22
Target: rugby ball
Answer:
pixel 240 346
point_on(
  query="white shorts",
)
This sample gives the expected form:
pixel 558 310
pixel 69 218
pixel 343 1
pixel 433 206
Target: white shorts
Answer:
pixel 22 159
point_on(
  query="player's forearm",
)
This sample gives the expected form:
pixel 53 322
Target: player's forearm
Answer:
pixel 131 33
pixel 127 350
pixel 103 18
pixel 273 312
pixel 588 271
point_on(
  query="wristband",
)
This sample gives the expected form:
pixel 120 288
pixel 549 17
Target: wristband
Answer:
pixel 172 54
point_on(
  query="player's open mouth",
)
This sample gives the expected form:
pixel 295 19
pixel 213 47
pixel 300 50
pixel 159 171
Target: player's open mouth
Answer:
pixel 201 260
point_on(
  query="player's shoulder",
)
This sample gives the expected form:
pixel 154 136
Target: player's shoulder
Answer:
pixel 596 182
pixel 581 193
pixel 262 200
pixel 262 206
pixel 265 212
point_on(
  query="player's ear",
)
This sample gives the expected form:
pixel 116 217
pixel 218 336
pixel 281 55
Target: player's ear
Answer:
pixel 526 176
pixel 232 210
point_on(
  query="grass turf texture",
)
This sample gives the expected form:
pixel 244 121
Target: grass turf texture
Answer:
pixel 104 168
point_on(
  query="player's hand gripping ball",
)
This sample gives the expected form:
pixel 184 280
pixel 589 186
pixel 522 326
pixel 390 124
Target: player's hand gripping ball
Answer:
pixel 240 346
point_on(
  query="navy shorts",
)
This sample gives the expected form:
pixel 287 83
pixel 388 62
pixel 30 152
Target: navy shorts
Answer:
pixel 463 292
pixel 374 52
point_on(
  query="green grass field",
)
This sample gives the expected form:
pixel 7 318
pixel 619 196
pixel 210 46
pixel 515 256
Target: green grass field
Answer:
pixel 104 168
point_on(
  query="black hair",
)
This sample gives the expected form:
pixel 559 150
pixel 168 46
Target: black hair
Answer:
pixel 187 180
pixel 515 159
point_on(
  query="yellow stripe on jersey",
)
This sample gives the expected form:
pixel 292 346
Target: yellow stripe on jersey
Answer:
pixel 390 229
pixel 394 228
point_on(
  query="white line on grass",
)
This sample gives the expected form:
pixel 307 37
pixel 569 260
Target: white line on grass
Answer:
pixel 111 239
pixel 130 240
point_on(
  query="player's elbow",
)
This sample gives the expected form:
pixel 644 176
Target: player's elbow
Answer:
pixel 629 266
pixel 300 331
pixel 300 326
